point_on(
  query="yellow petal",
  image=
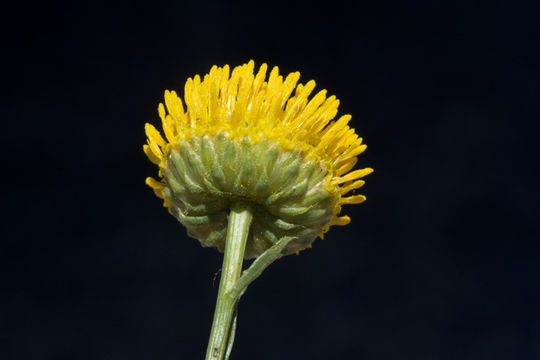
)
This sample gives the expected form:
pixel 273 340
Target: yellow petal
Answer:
pixel 356 199
pixel 352 176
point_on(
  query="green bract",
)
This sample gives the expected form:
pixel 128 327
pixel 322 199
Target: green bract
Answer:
pixel 205 175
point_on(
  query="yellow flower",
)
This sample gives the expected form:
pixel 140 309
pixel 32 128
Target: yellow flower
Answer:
pixel 242 136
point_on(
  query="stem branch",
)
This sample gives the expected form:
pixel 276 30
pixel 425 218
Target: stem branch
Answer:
pixel 258 266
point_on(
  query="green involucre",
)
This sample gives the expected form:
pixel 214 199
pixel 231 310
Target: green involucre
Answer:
pixel 205 174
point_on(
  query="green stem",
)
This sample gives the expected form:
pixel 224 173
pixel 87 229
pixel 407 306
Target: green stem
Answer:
pixel 224 315
pixel 258 266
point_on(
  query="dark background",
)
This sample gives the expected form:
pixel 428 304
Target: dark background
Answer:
pixel 441 262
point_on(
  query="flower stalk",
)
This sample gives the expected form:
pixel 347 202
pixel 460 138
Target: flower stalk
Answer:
pixel 234 282
pixel 225 313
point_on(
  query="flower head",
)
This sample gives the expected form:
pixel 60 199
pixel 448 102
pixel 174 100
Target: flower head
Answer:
pixel 244 137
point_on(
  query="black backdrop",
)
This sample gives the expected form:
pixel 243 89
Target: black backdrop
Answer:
pixel 441 262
